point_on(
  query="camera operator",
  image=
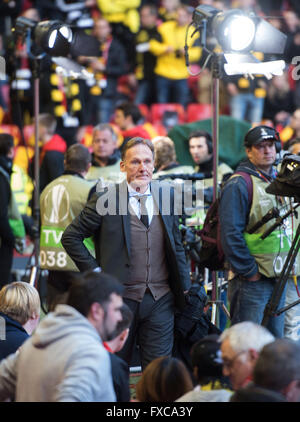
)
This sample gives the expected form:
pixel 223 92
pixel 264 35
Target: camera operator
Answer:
pixel 256 264
pixel 294 146
pixel 201 149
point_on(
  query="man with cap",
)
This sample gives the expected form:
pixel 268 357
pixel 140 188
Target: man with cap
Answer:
pixel 254 264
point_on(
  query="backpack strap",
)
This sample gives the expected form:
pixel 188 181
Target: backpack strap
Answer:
pixel 248 180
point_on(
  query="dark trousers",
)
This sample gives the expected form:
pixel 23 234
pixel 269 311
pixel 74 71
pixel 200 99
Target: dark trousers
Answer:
pixel 6 261
pixel 152 328
pixel 58 285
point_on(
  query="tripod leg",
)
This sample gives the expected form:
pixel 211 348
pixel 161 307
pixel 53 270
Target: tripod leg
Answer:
pixel 271 307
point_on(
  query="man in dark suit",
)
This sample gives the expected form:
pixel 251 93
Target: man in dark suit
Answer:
pixel 140 245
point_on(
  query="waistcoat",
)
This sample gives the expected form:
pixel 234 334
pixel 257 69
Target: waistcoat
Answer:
pixel 148 264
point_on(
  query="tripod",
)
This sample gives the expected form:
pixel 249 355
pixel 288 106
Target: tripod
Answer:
pixel 271 307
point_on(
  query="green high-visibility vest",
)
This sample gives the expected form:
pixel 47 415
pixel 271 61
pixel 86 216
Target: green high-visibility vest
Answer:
pixel 22 187
pixel 110 173
pixel 270 254
pixel 14 217
pixel 60 202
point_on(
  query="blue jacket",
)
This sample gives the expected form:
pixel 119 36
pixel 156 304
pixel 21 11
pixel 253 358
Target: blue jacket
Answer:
pixel 15 336
pixel 234 211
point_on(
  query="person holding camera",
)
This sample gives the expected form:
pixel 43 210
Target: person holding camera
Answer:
pixel 255 263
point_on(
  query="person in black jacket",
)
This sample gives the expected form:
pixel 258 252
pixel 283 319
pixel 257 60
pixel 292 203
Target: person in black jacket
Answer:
pixel 155 274
pixel 19 314
pixel 145 60
pixel 7 238
pixel 107 67
pixel 119 368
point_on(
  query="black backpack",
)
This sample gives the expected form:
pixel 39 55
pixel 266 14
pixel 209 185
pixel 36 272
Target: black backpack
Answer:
pixel 211 252
pixel 192 324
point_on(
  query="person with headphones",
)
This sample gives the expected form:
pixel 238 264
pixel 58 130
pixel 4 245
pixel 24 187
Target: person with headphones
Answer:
pixel 201 150
pixel 255 264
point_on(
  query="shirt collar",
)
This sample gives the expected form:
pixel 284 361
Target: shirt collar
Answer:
pixel 133 192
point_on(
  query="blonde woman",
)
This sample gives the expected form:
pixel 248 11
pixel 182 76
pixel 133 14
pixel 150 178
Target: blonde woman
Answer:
pixel 19 315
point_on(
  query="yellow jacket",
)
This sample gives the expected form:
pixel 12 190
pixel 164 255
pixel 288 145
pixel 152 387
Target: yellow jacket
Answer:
pixel 121 11
pixel 169 65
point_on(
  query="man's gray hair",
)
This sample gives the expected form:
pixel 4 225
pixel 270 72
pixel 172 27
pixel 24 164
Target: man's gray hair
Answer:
pixel 105 126
pixel 247 335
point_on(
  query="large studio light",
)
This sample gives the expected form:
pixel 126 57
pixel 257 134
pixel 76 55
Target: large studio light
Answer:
pixel 51 37
pixel 239 32
pixel 234 31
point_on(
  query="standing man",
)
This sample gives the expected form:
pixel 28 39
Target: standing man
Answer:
pixel 106 157
pixel 60 202
pixel 145 60
pixel 73 365
pixel 131 122
pixel 53 148
pixel 171 70
pixel 107 67
pixel 255 263
pixel 141 246
pixel 12 229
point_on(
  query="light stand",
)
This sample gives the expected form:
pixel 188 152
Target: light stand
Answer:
pixel 39 38
pixel 35 268
pixel 216 68
pixel 239 33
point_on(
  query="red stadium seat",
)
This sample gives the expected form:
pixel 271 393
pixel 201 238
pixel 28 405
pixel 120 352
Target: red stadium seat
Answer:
pixel 157 112
pixel 161 130
pixel 144 109
pixel 197 112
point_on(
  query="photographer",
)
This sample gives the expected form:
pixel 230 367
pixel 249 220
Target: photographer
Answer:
pixel 255 263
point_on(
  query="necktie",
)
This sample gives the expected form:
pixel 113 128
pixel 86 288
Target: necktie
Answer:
pixel 144 213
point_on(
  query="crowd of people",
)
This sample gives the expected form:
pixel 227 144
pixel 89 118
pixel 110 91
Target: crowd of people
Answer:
pixel 117 268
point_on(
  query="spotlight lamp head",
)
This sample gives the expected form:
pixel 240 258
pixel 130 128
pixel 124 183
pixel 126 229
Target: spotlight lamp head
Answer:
pixel 240 32
pixel 235 31
pixel 53 37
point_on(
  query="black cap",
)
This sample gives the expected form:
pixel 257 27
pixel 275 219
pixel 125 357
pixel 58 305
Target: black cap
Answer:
pixel 259 134
pixel 206 356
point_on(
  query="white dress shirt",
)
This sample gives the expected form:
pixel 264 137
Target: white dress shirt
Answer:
pixel 135 204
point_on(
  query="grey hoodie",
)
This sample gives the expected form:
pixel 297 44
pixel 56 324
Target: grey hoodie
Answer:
pixel 64 360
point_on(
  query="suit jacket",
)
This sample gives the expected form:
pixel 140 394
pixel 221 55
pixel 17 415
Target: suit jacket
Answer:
pixel 112 236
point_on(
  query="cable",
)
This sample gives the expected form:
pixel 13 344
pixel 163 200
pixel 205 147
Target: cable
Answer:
pixel 187 62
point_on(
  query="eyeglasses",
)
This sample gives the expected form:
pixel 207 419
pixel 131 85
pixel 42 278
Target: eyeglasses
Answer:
pixel 228 363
